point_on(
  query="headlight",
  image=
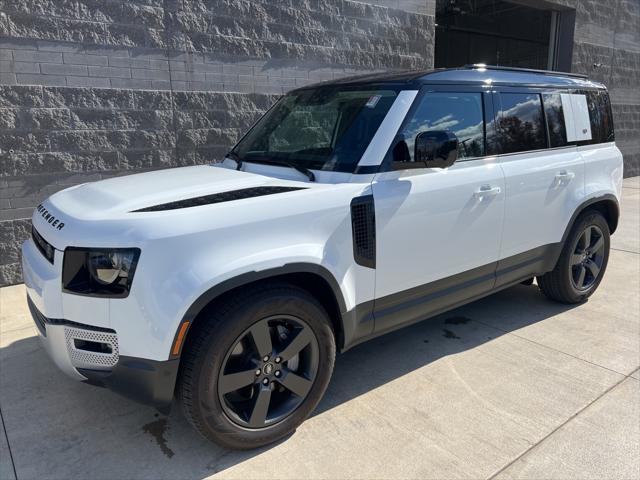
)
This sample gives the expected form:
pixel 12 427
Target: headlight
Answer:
pixel 99 272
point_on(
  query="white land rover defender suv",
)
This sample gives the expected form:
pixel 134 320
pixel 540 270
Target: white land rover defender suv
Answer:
pixel 351 208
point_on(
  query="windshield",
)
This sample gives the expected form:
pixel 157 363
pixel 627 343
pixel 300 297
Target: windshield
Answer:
pixel 326 128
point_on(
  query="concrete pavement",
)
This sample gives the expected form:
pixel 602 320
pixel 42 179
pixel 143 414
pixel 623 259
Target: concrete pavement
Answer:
pixel 512 386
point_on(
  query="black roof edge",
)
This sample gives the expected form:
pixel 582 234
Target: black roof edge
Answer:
pixel 473 66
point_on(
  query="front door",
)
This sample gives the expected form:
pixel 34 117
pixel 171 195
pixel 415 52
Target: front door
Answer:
pixel 438 231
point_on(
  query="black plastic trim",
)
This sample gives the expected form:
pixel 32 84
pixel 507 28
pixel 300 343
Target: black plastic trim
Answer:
pixel 219 198
pixel 404 308
pixel 531 263
pixel 146 381
pixel 589 202
pixel 408 306
pixel 42 321
pixel 363 228
pixel 226 286
pixel 38 318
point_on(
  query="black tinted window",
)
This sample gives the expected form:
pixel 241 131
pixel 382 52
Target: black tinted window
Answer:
pixel 600 116
pixel 521 123
pixel 326 128
pixel 460 113
pixel 555 119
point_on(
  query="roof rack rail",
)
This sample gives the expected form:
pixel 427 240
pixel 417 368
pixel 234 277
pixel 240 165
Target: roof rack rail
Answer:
pixel 529 70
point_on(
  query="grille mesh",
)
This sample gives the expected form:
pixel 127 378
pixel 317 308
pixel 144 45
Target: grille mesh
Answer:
pixel 86 359
pixel 363 225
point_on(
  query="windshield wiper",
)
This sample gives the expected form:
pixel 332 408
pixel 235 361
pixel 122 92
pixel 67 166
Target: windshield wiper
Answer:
pixel 305 171
pixel 235 157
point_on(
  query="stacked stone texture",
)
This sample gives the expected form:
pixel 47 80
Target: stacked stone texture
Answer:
pixel 91 89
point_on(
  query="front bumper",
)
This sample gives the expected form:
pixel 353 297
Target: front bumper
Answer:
pixel 90 353
pixel 146 381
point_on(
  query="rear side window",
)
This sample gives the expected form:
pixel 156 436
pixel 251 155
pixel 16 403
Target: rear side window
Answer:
pixel 555 119
pixel 600 116
pixel 460 113
pixel 521 123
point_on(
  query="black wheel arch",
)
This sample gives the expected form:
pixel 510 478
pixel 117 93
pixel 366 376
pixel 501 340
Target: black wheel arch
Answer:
pixel 314 278
pixel 606 204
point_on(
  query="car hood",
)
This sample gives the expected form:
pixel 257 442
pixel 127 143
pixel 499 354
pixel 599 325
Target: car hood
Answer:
pixel 116 196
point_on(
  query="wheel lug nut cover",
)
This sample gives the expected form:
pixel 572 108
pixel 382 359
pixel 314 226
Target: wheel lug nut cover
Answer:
pixel 266 358
pixel 265 381
pixel 258 372
pixel 278 359
pixel 277 373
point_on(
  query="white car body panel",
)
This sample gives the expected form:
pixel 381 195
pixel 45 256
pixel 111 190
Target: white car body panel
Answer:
pixel 543 190
pixel 433 223
pixel 430 225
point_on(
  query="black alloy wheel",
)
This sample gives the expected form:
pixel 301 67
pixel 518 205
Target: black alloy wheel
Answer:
pixel 582 262
pixel 268 372
pixel 587 258
pixel 256 365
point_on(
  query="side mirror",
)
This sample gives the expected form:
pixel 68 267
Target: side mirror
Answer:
pixel 436 149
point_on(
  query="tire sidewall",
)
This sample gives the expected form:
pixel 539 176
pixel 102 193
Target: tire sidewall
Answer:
pixel 586 220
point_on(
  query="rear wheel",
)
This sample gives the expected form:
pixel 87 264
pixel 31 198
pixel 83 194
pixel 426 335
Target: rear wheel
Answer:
pixel 582 262
pixel 258 366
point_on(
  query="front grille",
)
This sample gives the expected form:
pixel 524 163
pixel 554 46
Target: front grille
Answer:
pixel 45 247
pixel 39 319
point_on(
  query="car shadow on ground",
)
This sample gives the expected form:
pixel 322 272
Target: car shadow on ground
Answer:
pixel 60 428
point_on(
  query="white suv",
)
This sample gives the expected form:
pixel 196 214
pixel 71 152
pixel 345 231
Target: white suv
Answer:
pixel 350 209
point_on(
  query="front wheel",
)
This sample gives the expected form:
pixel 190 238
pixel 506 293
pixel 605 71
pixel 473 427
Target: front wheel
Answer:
pixel 582 262
pixel 257 367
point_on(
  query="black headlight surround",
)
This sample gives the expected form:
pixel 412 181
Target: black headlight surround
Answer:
pixel 78 280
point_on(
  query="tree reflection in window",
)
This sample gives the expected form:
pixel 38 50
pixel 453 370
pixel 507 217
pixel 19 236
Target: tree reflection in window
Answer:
pixel 555 119
pixel 460 113
pixel 521 123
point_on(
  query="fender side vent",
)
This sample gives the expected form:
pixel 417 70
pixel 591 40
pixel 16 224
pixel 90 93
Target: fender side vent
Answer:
pixel 363 225
pixel 218 198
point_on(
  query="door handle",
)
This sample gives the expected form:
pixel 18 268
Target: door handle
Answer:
pixel 563 177
pixel 486 191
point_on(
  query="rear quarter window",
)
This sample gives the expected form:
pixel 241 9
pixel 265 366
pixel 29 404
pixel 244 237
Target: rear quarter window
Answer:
pixel 600 116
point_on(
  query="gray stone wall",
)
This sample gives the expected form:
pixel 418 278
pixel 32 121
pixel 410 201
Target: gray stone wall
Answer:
pixel 95 88
pixel 607 48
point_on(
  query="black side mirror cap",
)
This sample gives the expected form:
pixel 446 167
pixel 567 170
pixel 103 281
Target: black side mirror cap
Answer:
pixel 436 148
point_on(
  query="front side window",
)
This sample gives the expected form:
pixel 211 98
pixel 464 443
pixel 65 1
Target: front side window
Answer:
pixel 459 113
pixel 325 128
pixel 521 123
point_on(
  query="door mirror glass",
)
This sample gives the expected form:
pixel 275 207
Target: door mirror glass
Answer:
pixel 436 148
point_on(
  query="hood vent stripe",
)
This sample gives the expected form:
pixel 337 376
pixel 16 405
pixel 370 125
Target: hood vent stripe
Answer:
pixel 218 198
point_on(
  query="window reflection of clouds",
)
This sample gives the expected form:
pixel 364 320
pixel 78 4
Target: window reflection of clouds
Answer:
pixel 458 113
pixel 521 123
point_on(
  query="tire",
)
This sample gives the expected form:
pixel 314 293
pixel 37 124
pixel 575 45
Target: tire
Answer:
pixel 230 345
pixel 580 268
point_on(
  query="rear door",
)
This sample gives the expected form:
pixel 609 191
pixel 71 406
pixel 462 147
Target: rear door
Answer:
pixel 437 230
pixel 544 175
